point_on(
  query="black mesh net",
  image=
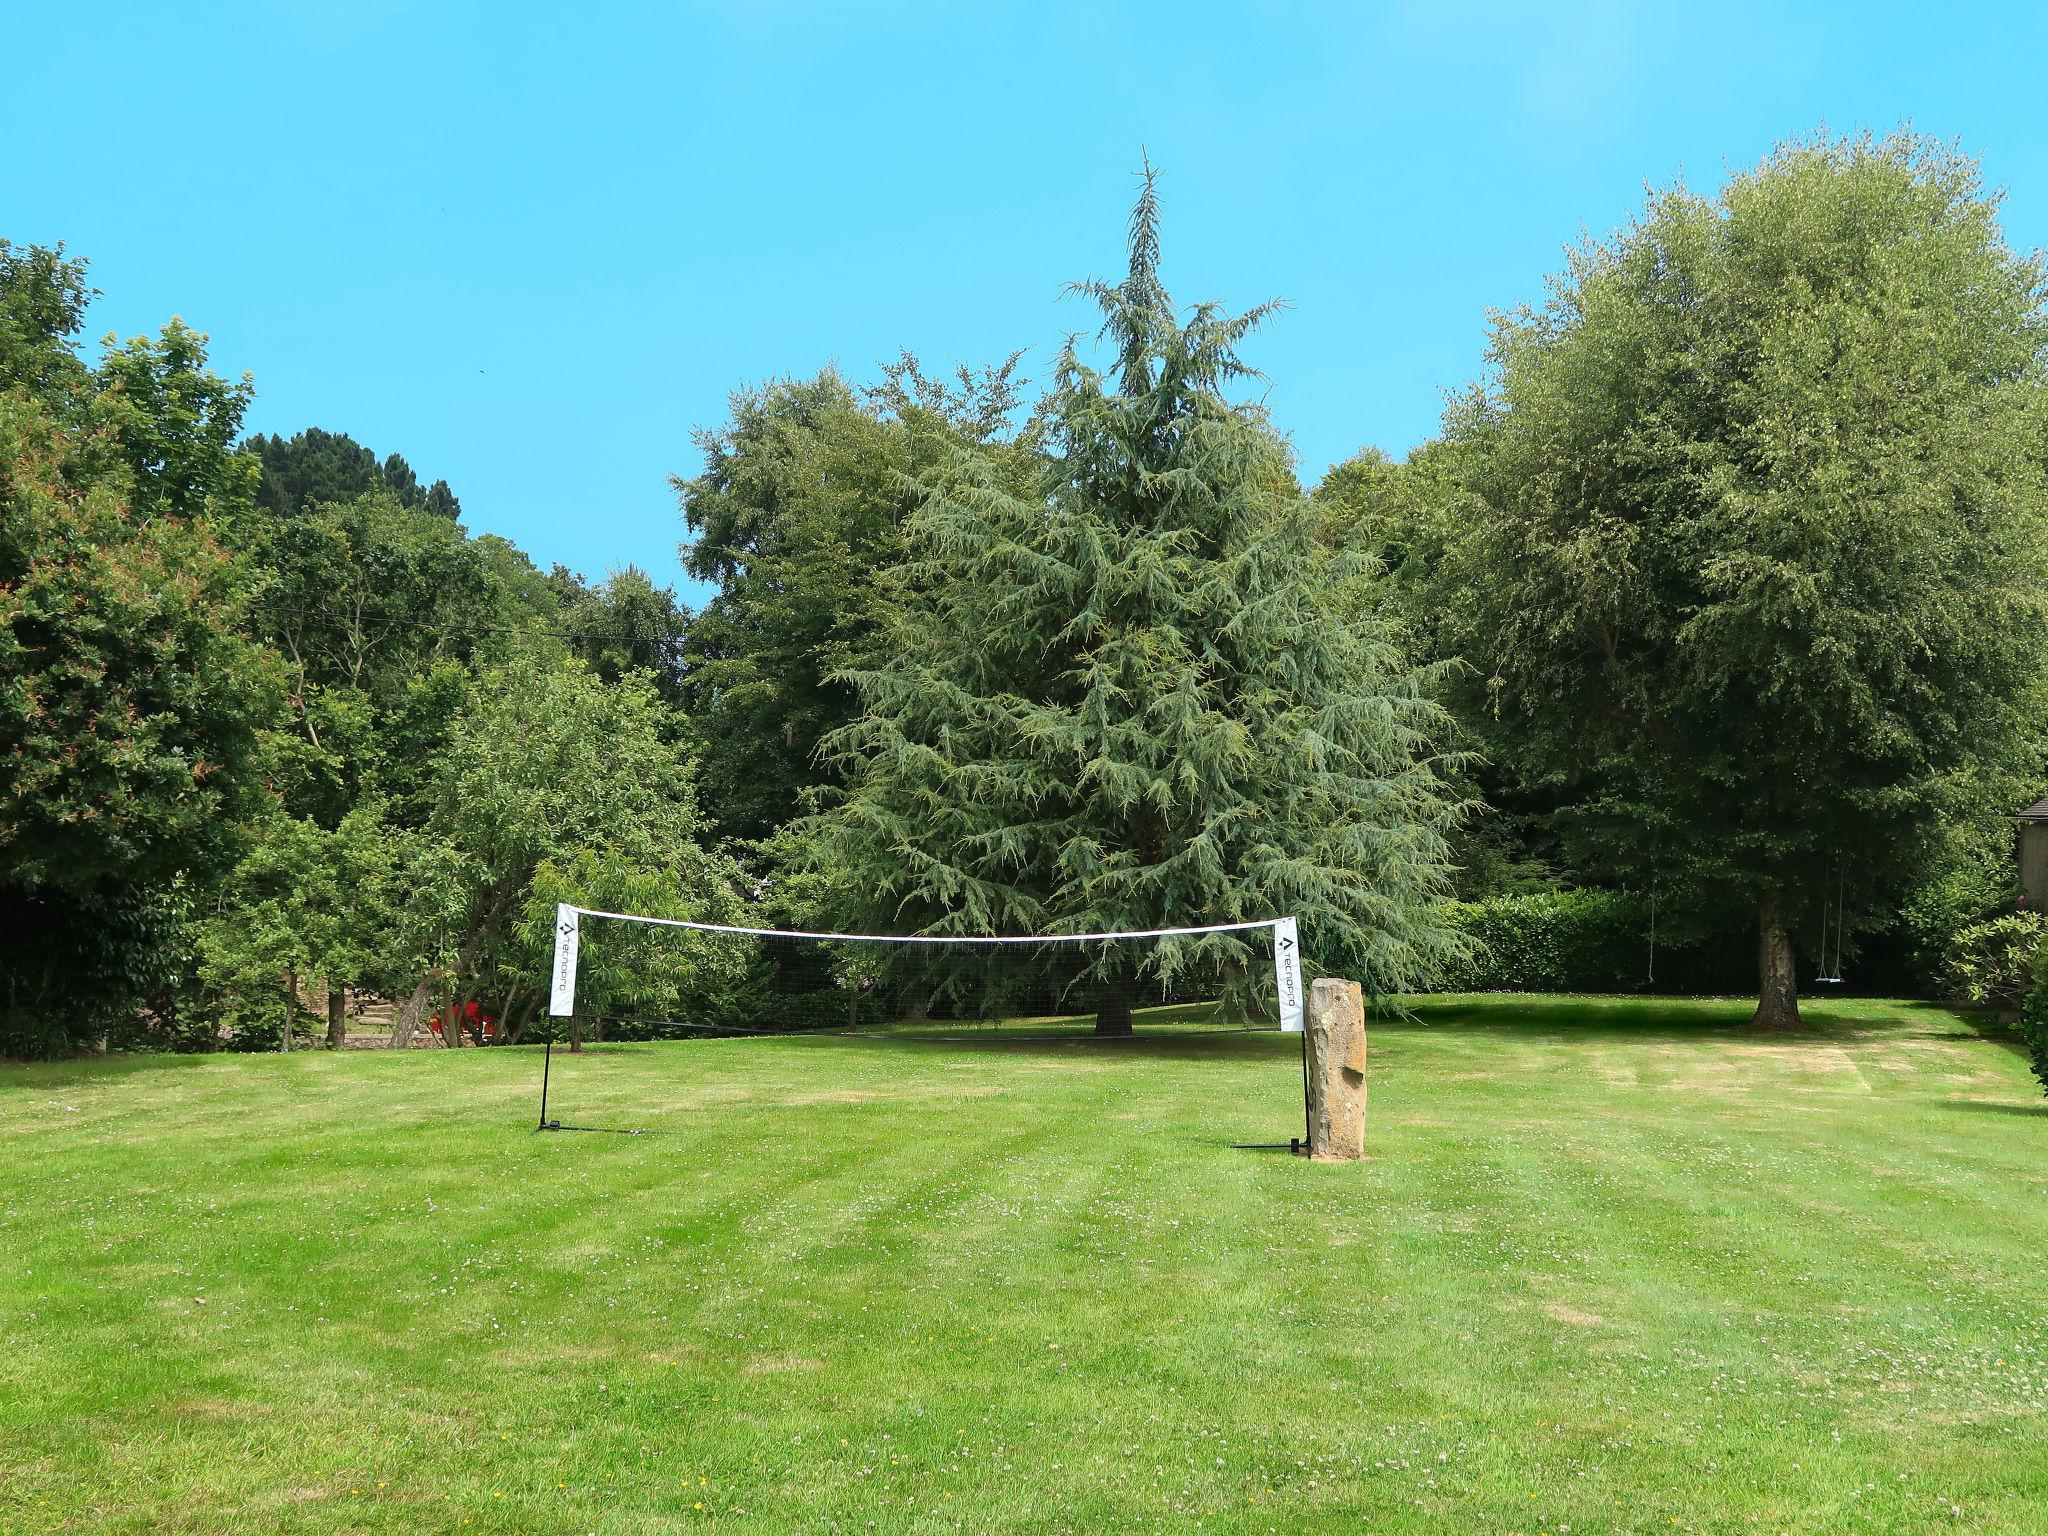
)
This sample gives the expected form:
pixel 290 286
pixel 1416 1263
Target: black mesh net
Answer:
pixel 639 979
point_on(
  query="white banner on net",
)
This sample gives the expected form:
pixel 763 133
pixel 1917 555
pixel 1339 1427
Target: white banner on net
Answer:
pixel 568 934
pixel 1287 973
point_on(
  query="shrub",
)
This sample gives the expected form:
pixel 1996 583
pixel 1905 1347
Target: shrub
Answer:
pixel 1993 963
pixel 1559 941
pixel 2034 1019
pixel 107 970
pixel 1970 880
pixel 1588 941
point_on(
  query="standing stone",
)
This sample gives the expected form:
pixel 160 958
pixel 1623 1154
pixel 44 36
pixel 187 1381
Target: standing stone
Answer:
pixel 1336 1071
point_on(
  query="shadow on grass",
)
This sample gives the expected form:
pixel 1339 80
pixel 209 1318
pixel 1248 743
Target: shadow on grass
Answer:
pixel 1559 1019
pixel 81 1069
pixel 1161 1046
pixel 122 1064
pixel 2037 1111
pixel 1176 1033
pixel 1548 1019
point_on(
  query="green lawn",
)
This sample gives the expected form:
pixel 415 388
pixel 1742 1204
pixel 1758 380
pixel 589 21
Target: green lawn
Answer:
pixel 1613 1267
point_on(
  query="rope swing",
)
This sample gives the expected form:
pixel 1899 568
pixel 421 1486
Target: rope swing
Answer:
pixel 1651 979
pixel 1837 886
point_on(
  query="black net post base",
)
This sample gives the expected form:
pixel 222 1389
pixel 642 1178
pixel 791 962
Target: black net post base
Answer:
pixel 547 1062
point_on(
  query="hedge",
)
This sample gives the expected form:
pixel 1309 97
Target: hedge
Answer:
pixel 2034 1020
pixel 1588 941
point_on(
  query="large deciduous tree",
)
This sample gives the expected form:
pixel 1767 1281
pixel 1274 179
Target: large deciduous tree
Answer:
pixel 1756 569
pixel 132 706
pixel 307 905
pixel 43 299
pixel 372 603
pixel 176 421
pixel 800 503
pixel 558 782
pixel 1140 693
pixel 623 624
pixel 129 704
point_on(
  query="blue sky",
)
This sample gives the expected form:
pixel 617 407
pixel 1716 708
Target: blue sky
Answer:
pixel 532 247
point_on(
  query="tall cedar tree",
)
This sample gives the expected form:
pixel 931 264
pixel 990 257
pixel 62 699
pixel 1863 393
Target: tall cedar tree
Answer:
pixel 1142 695
pixel 1756 564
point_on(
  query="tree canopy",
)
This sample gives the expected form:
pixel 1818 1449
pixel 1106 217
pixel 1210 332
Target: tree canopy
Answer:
pixel 1755 567
pixel 314 466
pixel 800 504
pixel 132 702
pixel 1720 596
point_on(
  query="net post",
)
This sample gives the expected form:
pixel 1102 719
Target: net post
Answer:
pixel 1308 1119
pixel 562 995
pixel 547 1060
pixel 1287 984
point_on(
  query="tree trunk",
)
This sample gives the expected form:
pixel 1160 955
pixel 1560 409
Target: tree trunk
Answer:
pixel 291 1008
pixel 413 1012
pixel 337 1015
pixel 1113 1016
pixel 575 1034
pixel 516 1030
pixel 1777 978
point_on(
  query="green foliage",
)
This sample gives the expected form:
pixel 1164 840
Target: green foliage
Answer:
pixel 130 706
pixel 105 967
pixel 631 971
pixel 1408 517
pixel 545 785
pixel 800 504
pixel 306 905
pixel 559 787
pixel 1584 941
pixel 1758 547
pixel 1562 941
pixel 173 841
pixel 314 466
pixel 1992 963
pixel 626 624
pixel 367 600
pixel 1970 879
pixel 1745 541
pixel 1141 694
pixel 43 298
pixel 2034 1019
pixel 176 421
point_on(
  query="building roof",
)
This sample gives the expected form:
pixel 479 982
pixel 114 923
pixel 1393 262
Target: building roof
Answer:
pixel 2038 811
